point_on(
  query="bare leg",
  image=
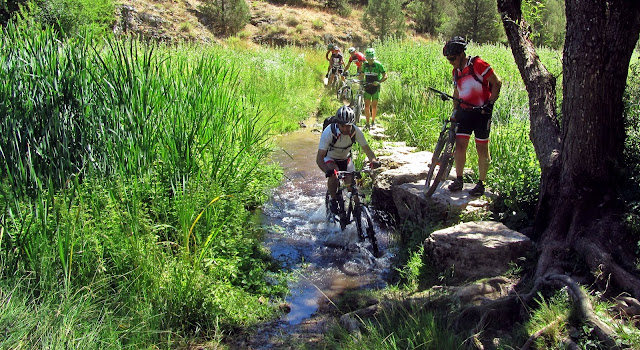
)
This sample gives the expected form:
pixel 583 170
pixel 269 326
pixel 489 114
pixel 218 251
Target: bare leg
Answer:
pixel 367 110
pixel 374 110
pixel 483 159
pixel 461 154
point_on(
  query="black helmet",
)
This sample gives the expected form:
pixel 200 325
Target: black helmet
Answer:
pixel 345 115
pixel 455 46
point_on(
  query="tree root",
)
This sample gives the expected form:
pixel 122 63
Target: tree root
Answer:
pixel 537 334
pixel 600 329
pixel 604 266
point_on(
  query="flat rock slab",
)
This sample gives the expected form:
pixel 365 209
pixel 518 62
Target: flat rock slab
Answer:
pixel 412 204
pixel 475 250
pixel 401 164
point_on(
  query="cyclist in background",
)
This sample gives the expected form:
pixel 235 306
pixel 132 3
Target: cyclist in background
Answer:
pixel 477 84
pixel 373 73
pixel 357 57
pixel 327 55
pixel 336 63
pixel 334 150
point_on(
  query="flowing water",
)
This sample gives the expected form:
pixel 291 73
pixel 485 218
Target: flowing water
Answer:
pixel 326 259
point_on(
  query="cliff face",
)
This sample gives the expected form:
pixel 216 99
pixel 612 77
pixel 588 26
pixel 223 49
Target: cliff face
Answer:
pixel 180 20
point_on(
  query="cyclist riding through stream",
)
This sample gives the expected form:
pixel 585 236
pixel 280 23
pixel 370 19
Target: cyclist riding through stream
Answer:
pixel 334 150
pixel 475 82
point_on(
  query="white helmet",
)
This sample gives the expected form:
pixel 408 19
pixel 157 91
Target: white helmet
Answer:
pixel 352 49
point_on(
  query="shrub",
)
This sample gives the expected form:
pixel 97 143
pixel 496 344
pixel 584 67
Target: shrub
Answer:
pixel 317 24
pixel 228 16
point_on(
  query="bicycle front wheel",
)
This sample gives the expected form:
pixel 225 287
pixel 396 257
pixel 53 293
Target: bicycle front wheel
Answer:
pixel 359 107
pixel 432 181
pixel 364 226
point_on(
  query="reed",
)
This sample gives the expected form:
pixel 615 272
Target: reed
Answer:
pixel 113 155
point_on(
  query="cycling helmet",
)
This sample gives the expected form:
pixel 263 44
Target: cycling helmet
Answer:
pixel 345 116
pixel 352 49
pixel 336 48
pixel 330 47
pixel 370 53
pixel 455 46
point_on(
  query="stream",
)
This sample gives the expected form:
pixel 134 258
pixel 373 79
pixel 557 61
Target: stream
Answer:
pixel 325 259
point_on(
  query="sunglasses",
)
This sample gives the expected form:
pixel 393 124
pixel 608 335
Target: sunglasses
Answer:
pixel 452 58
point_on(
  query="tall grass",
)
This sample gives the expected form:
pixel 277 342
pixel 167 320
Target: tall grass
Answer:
pixel 128 174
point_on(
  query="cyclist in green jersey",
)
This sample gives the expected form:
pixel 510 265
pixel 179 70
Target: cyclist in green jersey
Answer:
pixel 373 73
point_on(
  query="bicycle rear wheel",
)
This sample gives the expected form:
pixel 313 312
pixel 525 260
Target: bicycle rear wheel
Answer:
pixel 442 160
pixel 364 226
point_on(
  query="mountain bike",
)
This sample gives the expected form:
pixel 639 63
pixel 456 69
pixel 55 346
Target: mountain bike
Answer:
pixel 356 102
pixel 337 80
pixel 344 92
pixel 442 158
pixel 355 210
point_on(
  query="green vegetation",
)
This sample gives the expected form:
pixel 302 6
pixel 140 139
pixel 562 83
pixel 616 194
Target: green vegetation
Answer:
pixel 128 178
pixel 129 172
pixel 384 18
pixel 228 17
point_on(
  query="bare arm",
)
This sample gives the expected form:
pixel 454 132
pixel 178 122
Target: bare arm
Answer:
pixel 367 150
pixel 495 83
pixel 320 160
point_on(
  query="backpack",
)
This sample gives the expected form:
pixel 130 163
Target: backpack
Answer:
pixel 473 73
pixel 334 131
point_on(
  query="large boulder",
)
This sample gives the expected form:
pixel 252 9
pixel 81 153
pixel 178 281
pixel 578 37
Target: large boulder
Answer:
pixel 475 250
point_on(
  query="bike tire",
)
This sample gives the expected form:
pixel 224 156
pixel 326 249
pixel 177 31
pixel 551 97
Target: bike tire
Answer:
pixel 365 228
pixel 327 207
pixel 430 184
pixel 443 159
pixel 359 107
pixel 345 94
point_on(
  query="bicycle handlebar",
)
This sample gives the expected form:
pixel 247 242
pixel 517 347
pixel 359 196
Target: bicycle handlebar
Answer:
pixel 446 97
pixel 365 170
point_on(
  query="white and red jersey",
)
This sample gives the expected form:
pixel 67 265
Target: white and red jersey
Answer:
pixel 358 58
pixel 473 87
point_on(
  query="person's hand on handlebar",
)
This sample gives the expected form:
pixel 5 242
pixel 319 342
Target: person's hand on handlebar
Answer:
pixel 487 108
pixel 376 83
pixel 374 164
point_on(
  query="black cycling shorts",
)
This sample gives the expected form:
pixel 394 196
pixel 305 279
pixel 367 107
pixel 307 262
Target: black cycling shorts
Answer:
pixel 473 122
pixel 342 163
pixel 338 70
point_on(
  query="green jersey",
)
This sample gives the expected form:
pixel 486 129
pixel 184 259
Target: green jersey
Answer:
pixel 373 72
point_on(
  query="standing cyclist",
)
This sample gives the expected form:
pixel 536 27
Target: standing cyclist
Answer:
pixel 357 57
pixel 336 63
pixel 334 150
pixel 475 82
pixel 374 74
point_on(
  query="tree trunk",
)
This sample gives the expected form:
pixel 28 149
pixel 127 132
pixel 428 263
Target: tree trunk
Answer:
pixel 578 219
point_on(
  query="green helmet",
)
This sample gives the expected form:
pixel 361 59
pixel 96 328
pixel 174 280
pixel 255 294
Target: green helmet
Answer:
pixel 330 47
pixel 370 53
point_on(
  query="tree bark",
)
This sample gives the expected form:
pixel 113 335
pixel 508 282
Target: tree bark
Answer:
pixel 578 216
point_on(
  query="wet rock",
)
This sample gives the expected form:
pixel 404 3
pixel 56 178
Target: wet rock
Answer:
pixel 475 250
